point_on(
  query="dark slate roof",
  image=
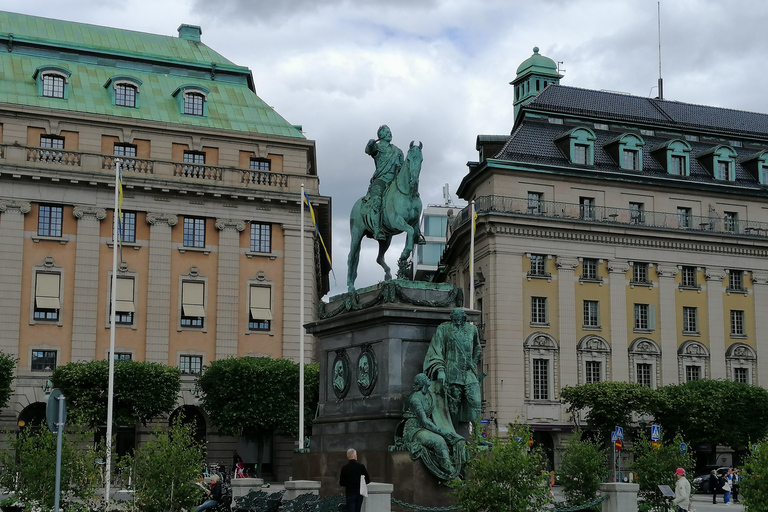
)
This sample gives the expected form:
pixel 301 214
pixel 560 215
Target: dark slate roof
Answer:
pixel 637 109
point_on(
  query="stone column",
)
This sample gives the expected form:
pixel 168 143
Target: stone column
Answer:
pixel 566 295
pixel 621 497
pixel 228 292
pixel 668 328
pixel 86 305
pixel 715 323
pixel 11 257
pixel 291 291
pixel 159 286
pixel 760 282
pixel 617 288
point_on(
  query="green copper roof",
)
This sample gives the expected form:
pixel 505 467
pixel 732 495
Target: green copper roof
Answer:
pixel 161 64
pixel 538 64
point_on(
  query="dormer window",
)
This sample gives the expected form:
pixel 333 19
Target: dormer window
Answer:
pixel 757 165
pixel 627 151
pixel 52 81
pixel 124 91
pixel 192 100
pixel 578 145
pixel 721 162
pixel 674 157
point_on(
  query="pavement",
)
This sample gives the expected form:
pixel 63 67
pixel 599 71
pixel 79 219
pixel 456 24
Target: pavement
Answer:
pixel 703 503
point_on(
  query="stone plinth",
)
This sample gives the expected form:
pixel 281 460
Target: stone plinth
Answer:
pixel 621 497
pixel 379 498
pixel 242 486
pixel 295 488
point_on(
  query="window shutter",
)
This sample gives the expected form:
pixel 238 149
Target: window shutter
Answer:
pixel 124 301
pixel 652 317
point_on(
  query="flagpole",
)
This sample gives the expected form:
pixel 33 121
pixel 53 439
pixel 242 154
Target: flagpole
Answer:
pixel 301 324
pixel 110 356
pixel 472 257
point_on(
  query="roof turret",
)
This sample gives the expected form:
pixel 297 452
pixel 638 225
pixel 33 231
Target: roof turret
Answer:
pixel 538 64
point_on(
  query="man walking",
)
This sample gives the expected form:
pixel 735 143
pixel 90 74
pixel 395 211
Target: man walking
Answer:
pixel 682 491
pixel 350 479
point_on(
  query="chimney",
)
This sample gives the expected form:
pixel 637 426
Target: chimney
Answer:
pixel 190 32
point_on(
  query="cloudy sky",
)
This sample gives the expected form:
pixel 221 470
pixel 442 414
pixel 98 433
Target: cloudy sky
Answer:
pixel 438 71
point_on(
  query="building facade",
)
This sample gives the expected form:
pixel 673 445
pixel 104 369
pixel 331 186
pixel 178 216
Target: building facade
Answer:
pixel 211 210
pixel 619 238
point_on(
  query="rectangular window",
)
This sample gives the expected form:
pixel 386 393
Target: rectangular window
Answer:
pixel 429 254
pixel 125 306
pixel 644 371
pixel 538 265
pixel 194 104
pixel 589 269
pixel 587 208
pixel 261 237
pixel 677 165
pixel 43 360
pixel 641 317
pixel 722 170
pixel 741 375
pixel 194 232
pixel 591 313
pixel 731 222
pixel 690 320
pixel 637 213
pixel 592 372
pixel 631 160
pixel 260 318
pixel 580 152
pixel 49 220
pixel 128 227
pixel 640 273
pixel 688 279
pixel 51 142
pixel 123 356
pixel 736 280
pixel 534 202
pixel 53 86
pixel 684 217
pixel 125 95
pixel 192 304
pixel 47 303
pixel 190 365
pixel 435 226
pixel 538 310
pixel 260 164
pixel 124 150
pixel 737 322
pixel 194 157
pixel 692 373
pixel 541 379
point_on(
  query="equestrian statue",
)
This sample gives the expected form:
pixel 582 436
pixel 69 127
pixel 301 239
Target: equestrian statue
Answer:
pixel 391 206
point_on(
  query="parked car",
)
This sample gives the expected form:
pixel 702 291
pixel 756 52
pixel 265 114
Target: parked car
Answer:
pixel 701 482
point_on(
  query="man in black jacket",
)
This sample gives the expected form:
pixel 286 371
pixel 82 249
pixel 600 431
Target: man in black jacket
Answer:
pixel 350 480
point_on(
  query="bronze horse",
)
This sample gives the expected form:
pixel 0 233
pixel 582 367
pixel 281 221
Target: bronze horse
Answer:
pixel 401 209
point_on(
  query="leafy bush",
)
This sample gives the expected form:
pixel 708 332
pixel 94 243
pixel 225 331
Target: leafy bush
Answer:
pixel 753 490
pixel 165 469
pixel 33 458
pixel 503 475
pixel 584 465
pixel 656 466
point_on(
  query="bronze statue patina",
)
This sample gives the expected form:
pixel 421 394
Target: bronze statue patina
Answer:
pixel 427 432
pixel 451 360
pixel 391 206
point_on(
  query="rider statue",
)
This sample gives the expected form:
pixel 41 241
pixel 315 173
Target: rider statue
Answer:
pixel 389 159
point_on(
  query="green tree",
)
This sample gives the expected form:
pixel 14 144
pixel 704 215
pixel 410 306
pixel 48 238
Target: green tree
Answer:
pixel 609 403
pixel 142 390
pixel 584 465
pixel 29 467
pixel 696 410
pixel 754 486
pixel 165 469
pixel 656 465
pixel 505 475
pixel 7 367
pixel 258 396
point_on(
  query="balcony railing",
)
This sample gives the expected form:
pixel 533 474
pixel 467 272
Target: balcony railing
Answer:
pixel 60 159
pixel 608 215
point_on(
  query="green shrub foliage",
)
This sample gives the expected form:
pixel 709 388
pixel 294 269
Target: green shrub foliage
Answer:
pixel 584 466
pixel 656 466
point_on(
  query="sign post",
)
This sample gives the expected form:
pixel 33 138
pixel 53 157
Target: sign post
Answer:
pixel 56 413
pixel 617 437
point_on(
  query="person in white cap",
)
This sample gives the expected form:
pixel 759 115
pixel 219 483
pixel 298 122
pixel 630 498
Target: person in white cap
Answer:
pixel 682 491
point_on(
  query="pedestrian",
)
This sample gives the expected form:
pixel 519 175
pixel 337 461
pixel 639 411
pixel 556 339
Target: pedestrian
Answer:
pixel 735 484
pixel 350 478
pixel 727 488
pixel 682 491
pixel 714 485
pixel 215 496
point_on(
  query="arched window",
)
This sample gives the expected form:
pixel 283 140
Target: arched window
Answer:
pixel 627 151
pixel 692 361
pixel 593 355
pixel 578 145
pixel 192 100
pixel 52 81
pixel 720 161
pixel 740 361
pixel 644 355
pixel 541 367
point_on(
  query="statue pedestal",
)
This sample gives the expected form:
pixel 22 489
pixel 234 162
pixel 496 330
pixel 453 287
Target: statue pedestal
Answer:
pixel 368 360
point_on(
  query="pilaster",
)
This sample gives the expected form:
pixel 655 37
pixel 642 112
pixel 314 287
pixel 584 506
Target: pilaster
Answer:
pixel 760 286
pixel 85 305
pixel 668 324
pixel 715 323
pixel 617 283
pixel 566 295
pixel 11 258
pixel 227 302
pixel 159 286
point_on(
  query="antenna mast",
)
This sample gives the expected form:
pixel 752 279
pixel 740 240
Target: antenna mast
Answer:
pixel 661 80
